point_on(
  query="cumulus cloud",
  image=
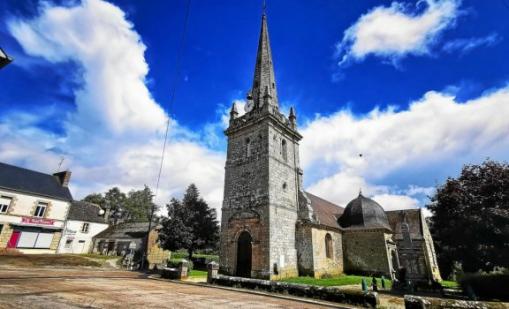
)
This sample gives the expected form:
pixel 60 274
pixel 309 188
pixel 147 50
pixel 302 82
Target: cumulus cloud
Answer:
pixel 398 30
pixel 466 45
pixel 114 137
pixel 435 131
pixel 96 35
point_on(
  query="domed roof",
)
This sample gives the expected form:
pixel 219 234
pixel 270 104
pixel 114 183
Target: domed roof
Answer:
pixel 363 212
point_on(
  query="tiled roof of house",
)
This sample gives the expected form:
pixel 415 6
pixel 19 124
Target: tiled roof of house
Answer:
pixel 326 212
pixel 32 182
pixel 85 211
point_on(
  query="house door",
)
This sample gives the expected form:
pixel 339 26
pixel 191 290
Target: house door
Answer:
pixel 244 254
pixel 13 241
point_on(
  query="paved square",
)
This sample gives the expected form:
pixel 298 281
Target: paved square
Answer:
pixel 60 288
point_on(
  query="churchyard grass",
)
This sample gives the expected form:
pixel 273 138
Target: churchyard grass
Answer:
pixel 337 281
pixel 450 284
pixel 197 273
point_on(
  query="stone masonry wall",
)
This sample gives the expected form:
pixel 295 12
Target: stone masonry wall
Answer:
pixel 283 199
pixel 324 266
pixel 5 235
pixel 304 243
pixel 245 204
pixel 365 251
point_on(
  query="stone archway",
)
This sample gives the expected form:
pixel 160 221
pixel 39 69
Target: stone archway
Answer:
pixel 244 255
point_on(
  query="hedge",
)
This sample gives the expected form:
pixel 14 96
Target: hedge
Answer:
pixel 486 286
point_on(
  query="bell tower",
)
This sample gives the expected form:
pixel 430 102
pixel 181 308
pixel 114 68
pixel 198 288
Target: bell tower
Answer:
pixel 263 181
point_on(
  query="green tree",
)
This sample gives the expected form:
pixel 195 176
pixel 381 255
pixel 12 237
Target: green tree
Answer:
pixel 191 224
pixel 138 205
pixel 470 218
pixel 132 207
pixel 95 198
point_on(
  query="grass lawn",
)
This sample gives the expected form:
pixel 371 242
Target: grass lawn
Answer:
pixel 449 284
pixel 337 281
pixel 197 273
pixel 31 260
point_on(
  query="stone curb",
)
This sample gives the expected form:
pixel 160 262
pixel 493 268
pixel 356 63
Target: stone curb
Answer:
pixel 287 297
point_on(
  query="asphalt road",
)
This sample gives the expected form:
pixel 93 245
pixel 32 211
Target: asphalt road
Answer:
pixel 61 288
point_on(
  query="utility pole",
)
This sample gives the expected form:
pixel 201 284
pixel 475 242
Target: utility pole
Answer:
pixel 146 247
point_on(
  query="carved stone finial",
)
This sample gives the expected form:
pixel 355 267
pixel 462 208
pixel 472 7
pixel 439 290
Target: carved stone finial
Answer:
pixel 292 117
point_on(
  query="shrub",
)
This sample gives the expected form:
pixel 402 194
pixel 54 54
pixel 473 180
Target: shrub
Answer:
pixel 174 263
pixel 487 286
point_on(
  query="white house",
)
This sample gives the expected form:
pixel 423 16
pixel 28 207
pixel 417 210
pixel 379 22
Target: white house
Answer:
pixel 33 209
pixel 85 220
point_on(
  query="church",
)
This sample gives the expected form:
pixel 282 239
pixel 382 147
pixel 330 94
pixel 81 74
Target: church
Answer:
pixel 272 229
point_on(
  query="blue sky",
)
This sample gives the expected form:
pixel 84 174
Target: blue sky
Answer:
pixel 419 88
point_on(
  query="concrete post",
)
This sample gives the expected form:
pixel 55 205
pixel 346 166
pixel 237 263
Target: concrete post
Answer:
pixel 182 268
pixel 212 271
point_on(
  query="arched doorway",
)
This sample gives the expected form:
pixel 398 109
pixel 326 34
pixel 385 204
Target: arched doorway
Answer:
pixel 244 254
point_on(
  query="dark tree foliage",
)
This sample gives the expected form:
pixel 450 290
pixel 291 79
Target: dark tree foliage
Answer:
pixel 470 220
pixel 132 207
pixel 191 224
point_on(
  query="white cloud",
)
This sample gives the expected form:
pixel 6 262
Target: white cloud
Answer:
pixel 466 45
pixel 395 202
pixel 432 133
pixel 102 41
pixel 115 135
pixel 397 30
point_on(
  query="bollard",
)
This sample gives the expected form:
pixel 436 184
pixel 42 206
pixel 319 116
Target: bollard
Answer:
pixel 212 271
pixel 363 285
pixel 383 282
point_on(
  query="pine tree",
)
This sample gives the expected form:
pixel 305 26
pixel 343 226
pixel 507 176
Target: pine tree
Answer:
pixel 190 225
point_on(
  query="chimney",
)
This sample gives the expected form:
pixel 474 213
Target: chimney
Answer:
pixel 63 178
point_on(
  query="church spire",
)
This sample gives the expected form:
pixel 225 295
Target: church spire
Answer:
pixel 264 80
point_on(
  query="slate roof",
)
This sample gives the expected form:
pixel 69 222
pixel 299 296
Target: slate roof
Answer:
pixel 363 212
pixel 126 230
pixel 326 212
pixel 85 211
pixel 28 181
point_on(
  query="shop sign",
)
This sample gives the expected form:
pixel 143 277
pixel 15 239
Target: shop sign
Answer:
pixel 33 220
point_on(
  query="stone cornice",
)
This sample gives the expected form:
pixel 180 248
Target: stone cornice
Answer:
pixel 257 116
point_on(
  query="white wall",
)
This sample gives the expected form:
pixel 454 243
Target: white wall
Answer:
pixel 23 204
pixel 73 229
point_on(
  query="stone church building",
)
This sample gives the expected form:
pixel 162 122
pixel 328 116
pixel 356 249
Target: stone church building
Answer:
pixel 271 228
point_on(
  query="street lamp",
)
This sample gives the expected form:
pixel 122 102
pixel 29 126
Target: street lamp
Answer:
pixel 4 59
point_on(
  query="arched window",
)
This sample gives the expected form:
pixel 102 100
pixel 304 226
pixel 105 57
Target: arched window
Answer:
pixel 328 246
pixel 248 147
pixel 284 150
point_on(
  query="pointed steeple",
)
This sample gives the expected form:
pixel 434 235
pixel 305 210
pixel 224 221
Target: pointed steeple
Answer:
pixel 264 80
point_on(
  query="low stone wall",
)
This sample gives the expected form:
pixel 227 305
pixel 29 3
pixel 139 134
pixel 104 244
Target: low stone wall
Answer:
pixel 418 302
pixel 368 299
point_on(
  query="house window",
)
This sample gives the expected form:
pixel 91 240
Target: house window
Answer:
pixel 5 202
pixel 40 210
pixel 328 246
pixel 84 227
pixel 284 150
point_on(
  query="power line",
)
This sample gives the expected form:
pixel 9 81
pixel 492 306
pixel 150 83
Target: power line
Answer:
pixel 173 90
